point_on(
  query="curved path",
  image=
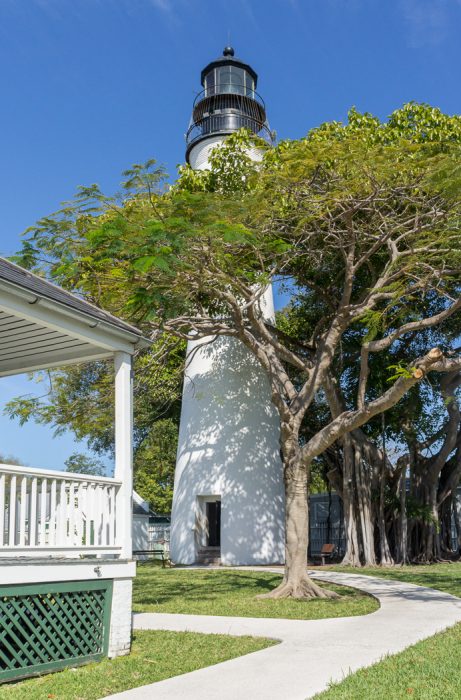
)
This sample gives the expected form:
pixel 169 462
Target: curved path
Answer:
pixel 312 652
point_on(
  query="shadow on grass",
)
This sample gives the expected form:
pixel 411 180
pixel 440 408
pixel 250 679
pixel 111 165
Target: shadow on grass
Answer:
pixel 185 587
pixel 155 586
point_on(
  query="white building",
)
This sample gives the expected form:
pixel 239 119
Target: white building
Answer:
pixel 228 502
pixel 65 539
pixel 141 514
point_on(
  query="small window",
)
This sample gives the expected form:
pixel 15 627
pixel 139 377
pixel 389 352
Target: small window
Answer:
pixel 249 85
pixel 237 79
pixel 224 79
pixel 210 84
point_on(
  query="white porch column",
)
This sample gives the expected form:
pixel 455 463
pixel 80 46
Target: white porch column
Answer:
pixel 124 450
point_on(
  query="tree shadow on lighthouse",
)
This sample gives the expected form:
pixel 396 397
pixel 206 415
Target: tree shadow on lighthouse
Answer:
pixel 229 450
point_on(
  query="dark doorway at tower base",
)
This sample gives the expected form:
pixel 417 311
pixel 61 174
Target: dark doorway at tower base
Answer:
pixel 213 514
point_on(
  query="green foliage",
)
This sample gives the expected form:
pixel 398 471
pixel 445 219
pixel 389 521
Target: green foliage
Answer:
pixel 173 260
pixel 155 464
pixel 400 371
pixel 318 480
pixel 414 122
pixel 309 181
pixel 9 459
pixel 421 511
pixel 231 168
pixel 79 463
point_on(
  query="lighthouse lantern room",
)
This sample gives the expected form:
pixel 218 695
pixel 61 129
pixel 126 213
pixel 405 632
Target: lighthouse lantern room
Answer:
pixel 227 103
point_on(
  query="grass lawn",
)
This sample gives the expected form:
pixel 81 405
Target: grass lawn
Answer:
pixel 155 655
pixel 221 592
pixel 429 670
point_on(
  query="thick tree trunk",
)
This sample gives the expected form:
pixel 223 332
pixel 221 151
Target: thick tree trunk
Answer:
pixel 384 549
pixel 427 540
pixel 296 583
pixel 363 485
pixel 403 522
pixel 358 511
pixel 385 558
pixel 445 518
pixel 457 520
pixel 434 541
pixel 352 554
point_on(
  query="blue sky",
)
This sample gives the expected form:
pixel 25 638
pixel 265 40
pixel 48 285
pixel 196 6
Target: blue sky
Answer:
pixel 89 87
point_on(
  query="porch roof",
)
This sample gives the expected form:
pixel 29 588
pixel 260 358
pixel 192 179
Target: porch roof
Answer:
pixel 42 325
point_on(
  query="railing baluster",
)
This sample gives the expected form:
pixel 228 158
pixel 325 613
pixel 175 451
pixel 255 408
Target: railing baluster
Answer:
pixel 85 530
pixel 62 510
pixel 71 514
pixel 2 508
pixel 79 515
pixel 33 513
pixel 109 515
pixel 98 515
pixel 12 514
pixel 22 512
pixel 53 515
pixel 103 511
pixel 111 491
pixel 67 516
pixel 106 508
pixel 43 513
pixel 90 517
pixel 94 517
pixel 101 506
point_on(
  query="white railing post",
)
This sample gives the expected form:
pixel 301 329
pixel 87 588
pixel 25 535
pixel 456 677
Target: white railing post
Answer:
pixel 124 451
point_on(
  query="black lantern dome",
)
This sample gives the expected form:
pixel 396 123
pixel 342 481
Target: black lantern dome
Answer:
pixel 228 102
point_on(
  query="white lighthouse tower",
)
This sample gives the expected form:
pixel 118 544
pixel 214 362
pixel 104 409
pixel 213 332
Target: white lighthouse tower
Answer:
pixel 228 502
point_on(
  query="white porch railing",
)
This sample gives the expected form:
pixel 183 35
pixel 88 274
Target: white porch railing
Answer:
pixel 46 512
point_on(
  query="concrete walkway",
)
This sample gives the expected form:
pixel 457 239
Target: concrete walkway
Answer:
pixel 312 652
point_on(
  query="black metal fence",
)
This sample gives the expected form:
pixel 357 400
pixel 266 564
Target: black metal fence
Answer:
pixel 326 523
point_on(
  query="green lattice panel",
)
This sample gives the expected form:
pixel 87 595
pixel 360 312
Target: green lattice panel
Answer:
pixel 49 626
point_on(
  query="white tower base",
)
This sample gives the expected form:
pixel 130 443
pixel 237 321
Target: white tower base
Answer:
pixel 229 452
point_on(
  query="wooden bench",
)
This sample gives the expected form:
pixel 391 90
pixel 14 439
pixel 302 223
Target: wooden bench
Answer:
pixel 327 552
pixel 164 554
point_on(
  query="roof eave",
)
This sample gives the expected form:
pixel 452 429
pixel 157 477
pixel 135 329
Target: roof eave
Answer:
pixel 136 339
